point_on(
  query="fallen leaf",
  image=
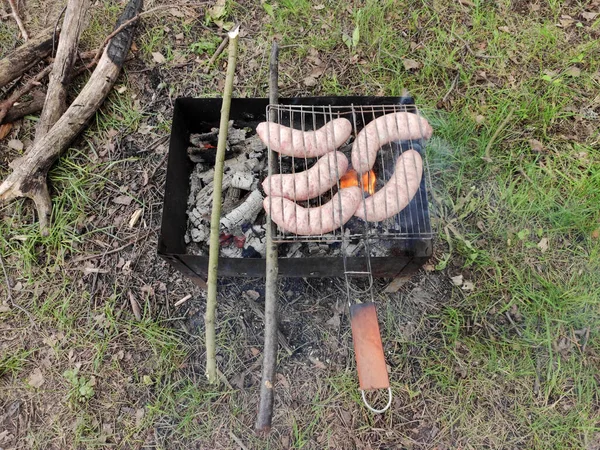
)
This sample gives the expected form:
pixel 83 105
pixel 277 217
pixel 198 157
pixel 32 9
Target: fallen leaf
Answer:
pixel 282 380
pixel 536 145
pixel 217 10
pixel 176 12
pixel 254 351
pixel 504 29
pixel 158 58
pixel 253 295
pixel 429 267
pixel 573 72
pixel 5 129
pixel 543 244
pixel 121 89
pixel 179 36
pixel 535 7
pixel 596 233
pixel 319 7
pixel 15 144
pixel 4 308
pixel 36 379
pixel 589 15
pixel 410 64
pixel 317 71
pixel 334 321
pixel 467 3
pixel 310 81
pixel 457 280
pixel 318 364
pixel 122 200
pixel 137 312
pixel 468 286
pixel 479 119
pixel 139 415
pixel 135 217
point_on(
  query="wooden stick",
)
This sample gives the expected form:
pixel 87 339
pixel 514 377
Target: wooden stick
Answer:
pixel 488 147
pixel 265 410
pixel 15 13
pixel 26 56
pixel 62 70
pixel 23 109
pixel 215 55
pixel 26 88
pixel 214 246
pixel 28 178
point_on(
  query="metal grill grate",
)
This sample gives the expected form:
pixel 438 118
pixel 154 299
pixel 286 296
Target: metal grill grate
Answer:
pixel 412 222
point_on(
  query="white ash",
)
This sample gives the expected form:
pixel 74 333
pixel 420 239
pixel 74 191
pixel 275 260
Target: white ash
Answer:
pixel 244 180
pixel 255 238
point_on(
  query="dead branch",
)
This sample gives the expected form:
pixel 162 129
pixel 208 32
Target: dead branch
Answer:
pixel 15 14
pixel 26 56
pixel 267 384
pixel 62 70
pixel 25 89
pixel 28 178
pixel 23 109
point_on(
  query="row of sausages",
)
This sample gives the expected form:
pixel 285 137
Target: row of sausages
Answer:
pixel 284 189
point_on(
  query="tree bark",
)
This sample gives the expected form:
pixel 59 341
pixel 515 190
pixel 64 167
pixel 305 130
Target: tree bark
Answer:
pixel 28 178
pixel 62 70
pixel 26 56
pixel 23 109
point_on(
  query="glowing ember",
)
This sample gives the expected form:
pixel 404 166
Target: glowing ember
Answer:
pixel 350 178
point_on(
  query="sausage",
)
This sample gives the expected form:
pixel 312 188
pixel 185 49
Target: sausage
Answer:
pixel 305 144
pixel 397 192
pixel 293 218
pixel 312 182
pixel 383 130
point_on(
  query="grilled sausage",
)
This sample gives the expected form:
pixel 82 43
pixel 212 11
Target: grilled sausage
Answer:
pixel 397 192
pixel 305 144
pixel 293 218
pixel 383 130
pixel 312 182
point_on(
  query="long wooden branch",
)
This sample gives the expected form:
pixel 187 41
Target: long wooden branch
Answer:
pixel 15 13
pixel 62 70
pixel 28 178
pixel 267 385
pixel 27 55
pixel 23 109
pixel 25 89
pixel 214 245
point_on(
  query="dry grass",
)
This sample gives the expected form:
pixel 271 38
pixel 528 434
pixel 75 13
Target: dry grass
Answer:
pixel 511 364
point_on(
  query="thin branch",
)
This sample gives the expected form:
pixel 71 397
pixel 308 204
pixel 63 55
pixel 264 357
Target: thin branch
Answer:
pixel 15 14
pixel 213 253
pixel 452 87
pixel 214 57
pixel 10 297
pixel 26 88
pixel 116 250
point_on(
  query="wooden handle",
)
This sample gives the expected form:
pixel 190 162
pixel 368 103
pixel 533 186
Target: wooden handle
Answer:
pixel 368 350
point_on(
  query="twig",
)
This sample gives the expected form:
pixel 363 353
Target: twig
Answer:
pixel 265 410
pixel 183 300
pixel 9 102
pixel 507 314
pixel 214 57
pixel 495 135
pixel 470 50
pixel 116 250
pixel 15 14
pixel 280 336
pixel 452 87
pixel 213 253
pixel 238 441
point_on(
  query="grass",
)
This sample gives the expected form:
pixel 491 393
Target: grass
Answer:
pixel 512 363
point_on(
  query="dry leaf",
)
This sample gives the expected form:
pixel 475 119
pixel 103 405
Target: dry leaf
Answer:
pixel 253 294
pixel 135 217
pixel 536 145
pixel 254 351
pixel 179 36
pixel 573 72
pixel 543 244
pixel 589 15
pixel 504 29
pixel 596 233
pixel 479 119
pixel 467 3
pixel 334 321
pixel 319 7
pixel 318 364
pixel 137 312
pixel 310 81
pixel 176 13
pixel 158 58
pixel 429 267
pixel 36 379
pixel 282 380
pixel 468 286
pixel 457 280
pixel 410 64
pixel 15 144
pixel 5 129
pixel 121 89
pixel 122 200
pixel 218 10
pixel 535 7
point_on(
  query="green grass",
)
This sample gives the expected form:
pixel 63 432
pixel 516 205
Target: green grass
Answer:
pixel 522 226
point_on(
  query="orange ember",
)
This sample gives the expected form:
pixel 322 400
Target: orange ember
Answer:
pixel 350 178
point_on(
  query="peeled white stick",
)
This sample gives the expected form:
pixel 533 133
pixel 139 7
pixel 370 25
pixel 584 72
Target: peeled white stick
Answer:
pixel 311 183
pixel 397 192
pixel 246 212
pixel 383 130
pixel 293 218
pixel 305 144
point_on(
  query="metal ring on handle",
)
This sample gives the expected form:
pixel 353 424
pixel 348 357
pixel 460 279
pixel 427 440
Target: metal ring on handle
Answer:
pixel 378 411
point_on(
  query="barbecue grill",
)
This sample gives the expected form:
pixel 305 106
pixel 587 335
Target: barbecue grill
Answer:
pixel 407 236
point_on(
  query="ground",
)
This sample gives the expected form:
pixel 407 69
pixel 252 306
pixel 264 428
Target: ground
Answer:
pixel 506 357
